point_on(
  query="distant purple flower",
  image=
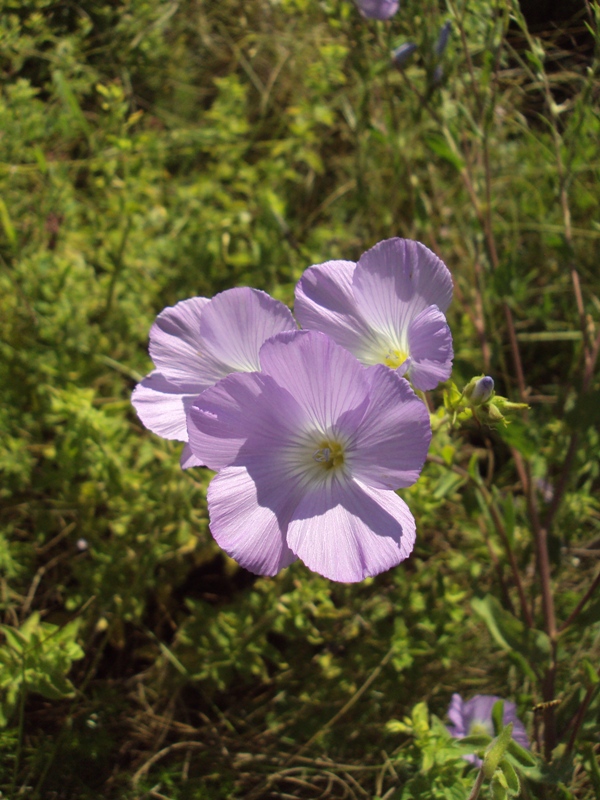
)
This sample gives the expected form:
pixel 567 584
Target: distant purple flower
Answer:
pixel 443 38
pixel 386 309
pixel 309 453
pixel 475 717
pixel 401 54
pixel 378 9
pixel 546 489
pixel 196 343
pixel 438 74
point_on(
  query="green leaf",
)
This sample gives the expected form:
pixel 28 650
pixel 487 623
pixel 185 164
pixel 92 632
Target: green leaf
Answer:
pixel 518 435
pixel 512 779
pixel 438 145
pixel 510 633
pixel 592 768
pixel 520 754
pixel 498 787
pixel 67 95
pixel 591 673
pixel 6 222
pixel 585 412
pixel 14 638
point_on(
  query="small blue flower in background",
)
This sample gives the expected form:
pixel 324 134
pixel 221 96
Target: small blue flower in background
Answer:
pixel 439 47
pixel 401 54
pixel 443 38
pixel 378 9
pixel 546 490
pixel 482 391
pixel 475 717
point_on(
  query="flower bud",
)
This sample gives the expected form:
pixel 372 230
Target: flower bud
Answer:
pixel 401 54
pixel 482 391
pixel 442 41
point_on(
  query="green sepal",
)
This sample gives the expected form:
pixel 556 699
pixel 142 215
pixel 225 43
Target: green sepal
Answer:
pixel 513 783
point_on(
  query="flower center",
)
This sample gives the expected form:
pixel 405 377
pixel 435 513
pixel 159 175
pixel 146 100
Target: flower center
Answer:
pixel 330 455
pixel 480 727
pixel 395 358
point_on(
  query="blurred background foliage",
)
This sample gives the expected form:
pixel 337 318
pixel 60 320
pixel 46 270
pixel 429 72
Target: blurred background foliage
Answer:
pixel 153 150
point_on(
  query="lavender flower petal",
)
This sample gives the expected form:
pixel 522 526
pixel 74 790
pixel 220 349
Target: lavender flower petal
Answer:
pixel 394 435
pixel 456 716
pixel 397 279
pixel 175 343
pixel 242 409
pixel 378 9
pixel 430 346
pixel 250 529
pixel 162 406
pixel 361 531
pixel 235 325
pixel 325 302
pixel 323 378
pixel 188 459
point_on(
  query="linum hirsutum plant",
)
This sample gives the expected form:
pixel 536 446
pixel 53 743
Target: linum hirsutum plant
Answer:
pixel 388 308
pixel 311 432
pixel 196 343
pixel 309 453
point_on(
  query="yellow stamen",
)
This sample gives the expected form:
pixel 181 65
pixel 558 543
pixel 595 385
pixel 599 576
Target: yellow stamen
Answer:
pixel 395 358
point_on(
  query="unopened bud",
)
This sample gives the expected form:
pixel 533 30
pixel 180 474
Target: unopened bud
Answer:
pixel 401 54
pixel 482 391
pixel 442 41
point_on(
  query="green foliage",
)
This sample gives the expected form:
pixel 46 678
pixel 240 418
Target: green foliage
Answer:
pixel 36 657
pixel 155 150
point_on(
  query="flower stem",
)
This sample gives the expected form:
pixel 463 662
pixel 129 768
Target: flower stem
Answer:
pixel 476 786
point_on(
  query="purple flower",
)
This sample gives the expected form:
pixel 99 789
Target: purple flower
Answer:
pixel 386 309
pixel 196 343
pixel 309 453
pixel 475 717
pixel 378 9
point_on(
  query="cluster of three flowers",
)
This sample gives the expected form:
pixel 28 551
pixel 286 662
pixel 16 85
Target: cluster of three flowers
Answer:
pixel 311 431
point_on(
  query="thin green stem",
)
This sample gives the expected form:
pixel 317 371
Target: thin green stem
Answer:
pixel 476 786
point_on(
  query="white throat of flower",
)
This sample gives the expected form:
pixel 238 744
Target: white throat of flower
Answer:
pixel 318 457
pixel 386 348
pixel 481 727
